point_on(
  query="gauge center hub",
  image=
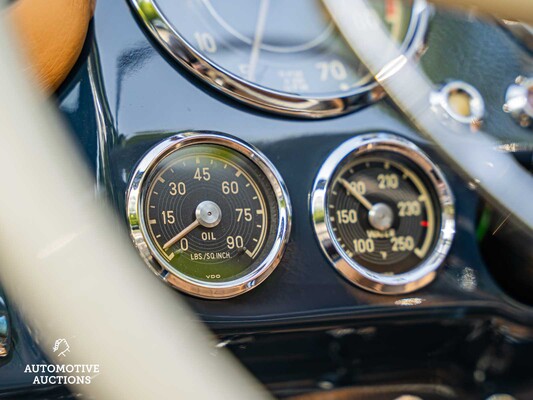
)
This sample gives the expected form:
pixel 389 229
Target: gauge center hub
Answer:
pixel 381 216
pixel 208 214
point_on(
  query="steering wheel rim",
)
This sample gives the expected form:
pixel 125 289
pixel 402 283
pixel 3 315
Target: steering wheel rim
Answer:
pixel 72 274
pixel 496 174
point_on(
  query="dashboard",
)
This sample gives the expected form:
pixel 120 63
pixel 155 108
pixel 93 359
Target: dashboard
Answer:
pixel 261 172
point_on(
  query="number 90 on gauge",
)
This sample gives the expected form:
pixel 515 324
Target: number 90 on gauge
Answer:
pixel 383 213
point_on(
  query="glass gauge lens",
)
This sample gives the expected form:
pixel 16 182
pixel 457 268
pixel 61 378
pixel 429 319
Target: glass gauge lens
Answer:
pixel 213 218
pixel 288 46
pixel 281 56
pixel 383 213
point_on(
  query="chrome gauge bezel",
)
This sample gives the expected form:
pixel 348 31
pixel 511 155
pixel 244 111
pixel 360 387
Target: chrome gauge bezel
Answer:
pixel 141 239
pixel 268 99
pixel 406 282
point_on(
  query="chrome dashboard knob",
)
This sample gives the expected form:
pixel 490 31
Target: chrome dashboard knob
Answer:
pixel 519 101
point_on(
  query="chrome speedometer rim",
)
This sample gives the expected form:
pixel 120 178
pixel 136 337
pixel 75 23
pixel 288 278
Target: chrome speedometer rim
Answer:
pixel 268 99
pixel 139 234
pixel 406 282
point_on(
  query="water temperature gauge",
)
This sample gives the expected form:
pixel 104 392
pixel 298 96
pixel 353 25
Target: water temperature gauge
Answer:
pixel 209 213
pixel 383 213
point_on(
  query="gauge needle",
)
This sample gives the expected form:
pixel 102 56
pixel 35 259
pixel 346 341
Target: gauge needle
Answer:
pixel 362 199
pixel 258 38
pixel 182 234
pixel 208 215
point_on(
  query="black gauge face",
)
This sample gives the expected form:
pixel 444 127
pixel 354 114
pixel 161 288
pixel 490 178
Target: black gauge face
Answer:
pixel 287 46
pixel 210 213
pixel 383 212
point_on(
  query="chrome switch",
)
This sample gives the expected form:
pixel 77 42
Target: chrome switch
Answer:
pixel 519 101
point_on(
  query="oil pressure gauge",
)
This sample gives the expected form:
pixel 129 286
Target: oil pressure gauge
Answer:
pixel 209 213
pixel 383 213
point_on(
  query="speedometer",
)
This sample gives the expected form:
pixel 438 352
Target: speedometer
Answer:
pixel 383 213
pixel 282 56
pixel 209 213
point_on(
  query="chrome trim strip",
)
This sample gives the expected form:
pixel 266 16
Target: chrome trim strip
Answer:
pixel 140 237
pixel 267 99
pixel 103 121
pixel 354 272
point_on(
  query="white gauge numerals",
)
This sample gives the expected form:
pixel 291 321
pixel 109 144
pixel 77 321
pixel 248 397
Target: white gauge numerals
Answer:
pixel 244 214
pixel 333 69
pixel 177 188
pixel 206 42
pixel 231 187
pixel 402 243
pixel 346 216
pixel 362 246
pixel 388 181
pixel 409 208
